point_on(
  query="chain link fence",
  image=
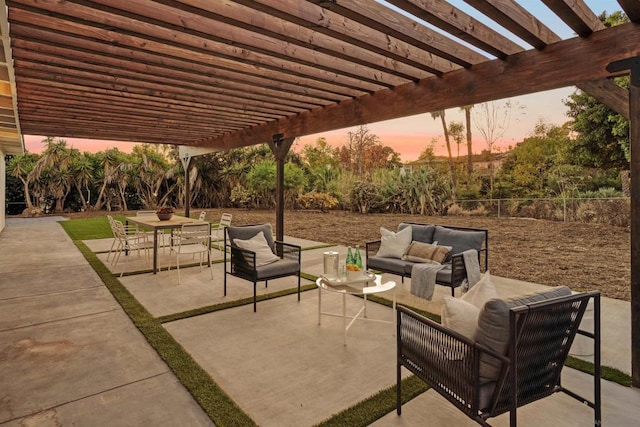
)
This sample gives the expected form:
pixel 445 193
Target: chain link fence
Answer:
pixel 611 211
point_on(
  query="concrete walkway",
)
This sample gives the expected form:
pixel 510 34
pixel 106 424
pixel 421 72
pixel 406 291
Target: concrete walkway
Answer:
pixel 69 355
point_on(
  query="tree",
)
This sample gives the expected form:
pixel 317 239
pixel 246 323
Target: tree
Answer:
pixel 602 139
pixel 467 119
pixel 359 143
pixel 452 167
pixel 492 119
pixel 21 167
pixel 456 130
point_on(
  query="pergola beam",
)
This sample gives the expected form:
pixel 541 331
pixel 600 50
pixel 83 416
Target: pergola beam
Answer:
pixel 523 73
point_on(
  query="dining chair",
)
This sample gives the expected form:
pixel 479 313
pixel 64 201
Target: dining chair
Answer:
pixel 193 238
pixel 128 240
pixel 161 233
pixel 225 221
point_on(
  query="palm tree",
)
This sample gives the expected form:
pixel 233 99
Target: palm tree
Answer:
pixel 82 170
pixel 452 166
pixel 110 162
pixel 52 170
pixel 467 119
pixel 21 167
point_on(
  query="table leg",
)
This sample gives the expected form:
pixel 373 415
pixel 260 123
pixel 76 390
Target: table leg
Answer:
pixel 319 304
pixel 344 316
pixel 155 250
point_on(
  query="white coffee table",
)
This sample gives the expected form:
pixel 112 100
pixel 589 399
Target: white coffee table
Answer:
pixel 354 288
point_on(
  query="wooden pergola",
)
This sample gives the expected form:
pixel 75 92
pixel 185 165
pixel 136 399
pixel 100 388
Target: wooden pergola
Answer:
pixel 223 74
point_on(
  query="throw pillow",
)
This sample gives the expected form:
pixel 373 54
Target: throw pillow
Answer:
pixel 460 316
pixel 259 245
pixel 481 292
pixel 393 245
pixel 426 252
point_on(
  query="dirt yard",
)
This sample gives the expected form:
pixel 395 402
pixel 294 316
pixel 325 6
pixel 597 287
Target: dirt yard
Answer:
pixel 581 256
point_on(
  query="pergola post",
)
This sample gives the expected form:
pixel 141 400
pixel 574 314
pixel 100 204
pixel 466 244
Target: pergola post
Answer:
pixel 280 147
pixel 186 164
pixel 633 64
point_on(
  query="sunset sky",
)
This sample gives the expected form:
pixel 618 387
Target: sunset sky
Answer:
pixel 411 135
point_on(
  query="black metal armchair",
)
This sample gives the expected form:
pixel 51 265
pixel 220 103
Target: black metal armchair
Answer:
pixel 523 366
pixel 246 264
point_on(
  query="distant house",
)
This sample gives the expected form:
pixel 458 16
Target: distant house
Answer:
pixel 481 162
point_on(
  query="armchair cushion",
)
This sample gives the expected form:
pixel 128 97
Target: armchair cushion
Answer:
pixel 461 314
pixel 280 267
pixel 481 292
pixel 493 326
pixel 247 232
pixel 394 245
pixel 259 245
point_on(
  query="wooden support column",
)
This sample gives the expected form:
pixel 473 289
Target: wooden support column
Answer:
pixel 280 147
pixel 633 64
pixel 186 164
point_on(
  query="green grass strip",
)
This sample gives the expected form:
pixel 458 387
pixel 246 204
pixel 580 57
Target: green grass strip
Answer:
pixel 231 304
pixel 214 401
pixel 377 406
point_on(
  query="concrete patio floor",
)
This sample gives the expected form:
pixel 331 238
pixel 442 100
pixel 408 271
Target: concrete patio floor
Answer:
pixel 70 355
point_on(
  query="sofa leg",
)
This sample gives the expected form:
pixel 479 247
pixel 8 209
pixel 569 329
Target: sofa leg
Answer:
pixel 453 291
pixel 254 296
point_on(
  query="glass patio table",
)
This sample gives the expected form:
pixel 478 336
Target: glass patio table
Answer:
pixel 361 287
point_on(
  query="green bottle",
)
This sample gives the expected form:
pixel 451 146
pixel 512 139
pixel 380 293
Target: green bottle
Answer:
pixel 358 259
pixel 350 259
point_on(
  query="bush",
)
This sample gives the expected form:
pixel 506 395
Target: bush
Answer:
pixel 613 212
pixel 314 200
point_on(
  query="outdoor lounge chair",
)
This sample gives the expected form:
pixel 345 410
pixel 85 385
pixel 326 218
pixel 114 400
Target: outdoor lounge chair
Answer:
pixel 256 258
pixel 516 357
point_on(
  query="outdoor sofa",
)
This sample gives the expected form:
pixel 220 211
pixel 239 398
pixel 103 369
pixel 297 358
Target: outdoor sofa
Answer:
pixel 459 239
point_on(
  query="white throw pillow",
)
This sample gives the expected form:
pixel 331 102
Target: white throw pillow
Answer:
pixel 394 245
pixel 481 292
pixel 460 316
pixel 259 245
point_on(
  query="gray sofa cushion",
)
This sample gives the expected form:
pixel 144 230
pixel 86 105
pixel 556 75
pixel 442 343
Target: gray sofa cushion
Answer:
pixel 420 233
pixel 247 232
pixel 395 265
pixel 459 240
pixel 493 326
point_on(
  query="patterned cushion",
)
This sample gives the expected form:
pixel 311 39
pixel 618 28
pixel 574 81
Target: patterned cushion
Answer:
pixel 426 253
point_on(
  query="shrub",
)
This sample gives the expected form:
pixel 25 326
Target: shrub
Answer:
pixel 314 200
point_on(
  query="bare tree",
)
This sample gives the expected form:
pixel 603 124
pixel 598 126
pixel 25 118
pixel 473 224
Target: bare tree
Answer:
pixel 492 119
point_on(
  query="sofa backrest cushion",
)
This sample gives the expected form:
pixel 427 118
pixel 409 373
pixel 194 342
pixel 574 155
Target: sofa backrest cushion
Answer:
pixel 493 326
pixel 459 240
pixel 420 232
pixel 249 231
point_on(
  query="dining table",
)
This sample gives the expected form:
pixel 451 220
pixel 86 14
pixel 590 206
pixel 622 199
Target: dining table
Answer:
pixel 155 224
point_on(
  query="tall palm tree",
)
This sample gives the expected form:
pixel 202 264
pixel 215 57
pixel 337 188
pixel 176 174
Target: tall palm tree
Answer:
pixel 467 119
pixel 452 167
pixel 82 170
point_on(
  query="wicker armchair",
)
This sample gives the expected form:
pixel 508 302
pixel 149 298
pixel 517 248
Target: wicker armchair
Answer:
pixel 482 382
pixel 243 263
